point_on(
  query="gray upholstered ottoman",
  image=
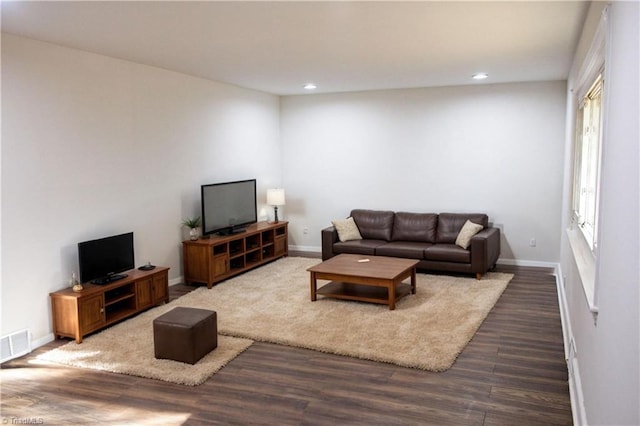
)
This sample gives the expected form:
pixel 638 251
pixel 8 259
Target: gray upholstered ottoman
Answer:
pixel 185 334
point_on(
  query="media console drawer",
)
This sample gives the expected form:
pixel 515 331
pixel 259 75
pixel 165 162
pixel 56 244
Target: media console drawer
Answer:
pixel 76 314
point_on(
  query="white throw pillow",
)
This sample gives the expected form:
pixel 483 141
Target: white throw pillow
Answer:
pixel 347 229
pixel 469 229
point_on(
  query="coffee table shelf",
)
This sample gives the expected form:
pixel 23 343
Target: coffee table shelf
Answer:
pixel 362 293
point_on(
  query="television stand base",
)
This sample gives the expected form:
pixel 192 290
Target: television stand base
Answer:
pixel 109 279
pixel 232 231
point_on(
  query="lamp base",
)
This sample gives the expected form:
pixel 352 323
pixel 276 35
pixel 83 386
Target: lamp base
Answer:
pixel 275 214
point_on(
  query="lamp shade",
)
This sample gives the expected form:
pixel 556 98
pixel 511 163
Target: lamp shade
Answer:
pixel 275 197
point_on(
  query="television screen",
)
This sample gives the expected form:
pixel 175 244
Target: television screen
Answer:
pixel 228 206
pixel 103 259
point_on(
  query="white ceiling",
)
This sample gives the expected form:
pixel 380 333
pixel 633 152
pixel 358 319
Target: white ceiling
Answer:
pixel 277 47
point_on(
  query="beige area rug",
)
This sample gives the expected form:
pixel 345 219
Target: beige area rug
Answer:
pixel 427 330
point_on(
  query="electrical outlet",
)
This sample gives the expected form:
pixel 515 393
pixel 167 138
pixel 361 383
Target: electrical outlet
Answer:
pixel 305 230
pixel 532 242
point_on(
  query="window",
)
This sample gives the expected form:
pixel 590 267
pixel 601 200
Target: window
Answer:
pixel 588 150
pixel 590 89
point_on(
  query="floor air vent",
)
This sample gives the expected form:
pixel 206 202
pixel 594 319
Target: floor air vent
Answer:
pixel 15 345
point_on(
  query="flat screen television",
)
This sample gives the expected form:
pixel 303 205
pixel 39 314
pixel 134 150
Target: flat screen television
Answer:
pixel 101 261
pixel 228 207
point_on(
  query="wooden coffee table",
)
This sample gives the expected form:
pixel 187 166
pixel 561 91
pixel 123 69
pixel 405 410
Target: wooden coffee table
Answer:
pixel 375 279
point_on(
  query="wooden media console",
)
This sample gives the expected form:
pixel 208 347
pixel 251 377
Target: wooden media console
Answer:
pixel 76 314
pixel 212 259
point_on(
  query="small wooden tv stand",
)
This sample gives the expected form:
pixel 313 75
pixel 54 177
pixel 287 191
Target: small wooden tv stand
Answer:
pixel 98 306
pixel 212 259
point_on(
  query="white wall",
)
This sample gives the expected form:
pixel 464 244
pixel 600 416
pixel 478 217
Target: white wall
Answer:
pixel 487 148
pixel 93 146
pixel 606 366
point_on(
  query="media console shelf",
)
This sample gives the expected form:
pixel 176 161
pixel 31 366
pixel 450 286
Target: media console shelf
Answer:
pixel 98 306
pixel 216 258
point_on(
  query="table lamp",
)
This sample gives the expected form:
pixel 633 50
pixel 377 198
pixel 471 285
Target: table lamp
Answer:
pixel 275 198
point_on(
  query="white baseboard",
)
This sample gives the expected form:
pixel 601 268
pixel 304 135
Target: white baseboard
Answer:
pixel 575 393
pixel 312 249
pixel 178 280
pixel 532 263
pixel 42 341
pixel 575 383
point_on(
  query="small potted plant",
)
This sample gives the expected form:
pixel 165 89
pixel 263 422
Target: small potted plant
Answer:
pixel 192 224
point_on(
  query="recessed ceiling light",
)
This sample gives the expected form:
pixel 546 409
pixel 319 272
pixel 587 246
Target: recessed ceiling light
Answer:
pixel 310 86
pixel 480 76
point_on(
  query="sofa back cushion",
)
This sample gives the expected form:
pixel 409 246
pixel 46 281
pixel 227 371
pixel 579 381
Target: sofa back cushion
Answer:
pixel 374 224
pixel 450 224
pixel 415 227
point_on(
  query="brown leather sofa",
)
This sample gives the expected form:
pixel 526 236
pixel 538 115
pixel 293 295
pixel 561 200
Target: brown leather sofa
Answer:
pixel 428 237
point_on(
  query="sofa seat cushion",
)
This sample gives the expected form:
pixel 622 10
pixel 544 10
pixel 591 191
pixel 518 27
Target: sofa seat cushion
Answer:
pixel 374 224
pixel 415 227
pixel 447 253
pixel 367 247
pixel 405 249
pixel 450 224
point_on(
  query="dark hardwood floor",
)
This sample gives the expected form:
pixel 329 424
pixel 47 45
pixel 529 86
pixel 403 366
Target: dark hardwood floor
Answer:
pixel 512 373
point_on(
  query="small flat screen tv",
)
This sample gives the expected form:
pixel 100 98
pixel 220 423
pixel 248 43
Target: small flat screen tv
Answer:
pixel 228 207
pixel 101 261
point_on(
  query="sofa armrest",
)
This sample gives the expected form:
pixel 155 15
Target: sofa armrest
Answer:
pixel 329 237
pixel 485 250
